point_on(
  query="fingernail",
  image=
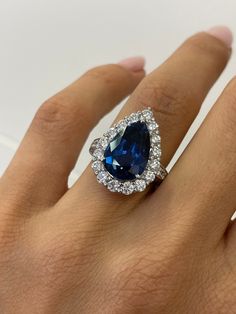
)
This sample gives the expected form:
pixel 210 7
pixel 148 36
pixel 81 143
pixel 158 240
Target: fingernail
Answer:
pixel 134 64
pixel 222 33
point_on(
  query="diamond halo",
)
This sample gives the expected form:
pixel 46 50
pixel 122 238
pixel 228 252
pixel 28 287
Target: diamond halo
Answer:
pixel 153 169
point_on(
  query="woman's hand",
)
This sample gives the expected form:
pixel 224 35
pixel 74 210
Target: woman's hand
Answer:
pixel 87 250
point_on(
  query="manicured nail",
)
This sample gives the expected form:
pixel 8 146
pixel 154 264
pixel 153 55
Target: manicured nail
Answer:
pixel 222 33
pixel 134 64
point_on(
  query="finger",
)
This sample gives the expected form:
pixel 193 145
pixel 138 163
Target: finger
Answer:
pixel 202 184
pixel 51 146
pixel 175 92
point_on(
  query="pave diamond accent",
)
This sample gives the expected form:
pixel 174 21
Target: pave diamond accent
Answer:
pixel 98 154
pixel 97 166
pixel 141 179
pixel 156 151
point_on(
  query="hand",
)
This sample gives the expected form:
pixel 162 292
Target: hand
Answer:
pixel 87 250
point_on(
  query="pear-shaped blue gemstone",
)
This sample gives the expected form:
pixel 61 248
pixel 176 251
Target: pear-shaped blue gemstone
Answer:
pixel 128 153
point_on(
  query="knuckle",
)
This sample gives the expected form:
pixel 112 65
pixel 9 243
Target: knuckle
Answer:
pixel 55 253
pixel 221 289
pixel 100 73
pixel 9 233
pixel 55 262
pixel 165 99
pixel 63 257
pixel 108 74
pixel 139 281
pixel 209 46
pixel 58 115
pixel 53 114
pixel 12 228
pixel 54 258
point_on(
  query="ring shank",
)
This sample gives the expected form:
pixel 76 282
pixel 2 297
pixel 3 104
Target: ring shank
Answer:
pixel 162 173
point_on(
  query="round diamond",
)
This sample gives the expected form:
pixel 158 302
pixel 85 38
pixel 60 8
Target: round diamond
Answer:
pixel 156 138
pixel 98 153
pixel 127 188
pixel 93 146
pixel 97 166
pixel 102 177
pixel 103 142
pixel 150 176
pixel 147 114
pixel 110 134
pixel 113 185
pixel 141 118
pixel 133 117
pixel 121 126
pixel 154 164
pixel 152 125
pixel 156 151
pixel 140 185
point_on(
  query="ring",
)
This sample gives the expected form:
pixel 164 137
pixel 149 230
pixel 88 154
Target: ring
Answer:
pixel 126 159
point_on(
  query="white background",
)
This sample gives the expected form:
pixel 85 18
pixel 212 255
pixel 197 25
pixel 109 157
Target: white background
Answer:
pixel 46 44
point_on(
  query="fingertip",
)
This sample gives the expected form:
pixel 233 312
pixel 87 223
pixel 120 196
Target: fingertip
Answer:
pixel 223 33
pixel 133 64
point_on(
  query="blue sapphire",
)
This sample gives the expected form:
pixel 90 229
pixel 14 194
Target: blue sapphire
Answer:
pixel 127 154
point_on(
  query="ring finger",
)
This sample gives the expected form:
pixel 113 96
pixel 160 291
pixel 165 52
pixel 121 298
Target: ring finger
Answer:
pixel 175 92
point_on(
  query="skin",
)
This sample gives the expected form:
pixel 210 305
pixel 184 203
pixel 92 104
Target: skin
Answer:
pixel 87 250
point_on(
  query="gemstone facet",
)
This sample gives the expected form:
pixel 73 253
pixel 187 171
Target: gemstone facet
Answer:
pixel 127 154
pixel 126 159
